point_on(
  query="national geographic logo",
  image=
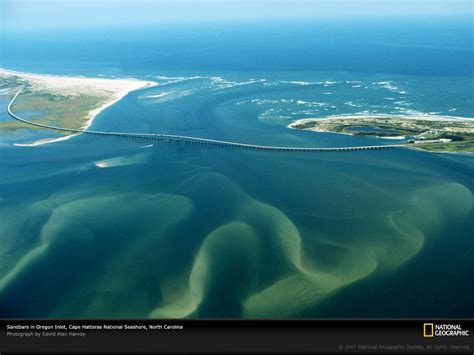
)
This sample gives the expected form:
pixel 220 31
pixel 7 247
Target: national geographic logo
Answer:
pixel 431 330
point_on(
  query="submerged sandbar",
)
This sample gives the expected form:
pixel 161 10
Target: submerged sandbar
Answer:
pixel 62 101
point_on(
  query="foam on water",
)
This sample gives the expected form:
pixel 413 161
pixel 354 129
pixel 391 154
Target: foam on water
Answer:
pixel 191 231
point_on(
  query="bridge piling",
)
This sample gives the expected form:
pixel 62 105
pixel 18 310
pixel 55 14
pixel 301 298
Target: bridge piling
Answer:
pixel 197 140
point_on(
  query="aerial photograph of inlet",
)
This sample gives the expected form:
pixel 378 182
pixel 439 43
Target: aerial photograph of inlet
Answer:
pixel 236 159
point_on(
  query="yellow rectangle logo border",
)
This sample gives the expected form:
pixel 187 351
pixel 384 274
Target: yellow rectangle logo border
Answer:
pixel 428 330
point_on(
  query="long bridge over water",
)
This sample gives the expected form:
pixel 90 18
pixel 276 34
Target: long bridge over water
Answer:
pixel 196 140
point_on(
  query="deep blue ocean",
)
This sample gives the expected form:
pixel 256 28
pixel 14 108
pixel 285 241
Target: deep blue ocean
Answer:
pixel 106 227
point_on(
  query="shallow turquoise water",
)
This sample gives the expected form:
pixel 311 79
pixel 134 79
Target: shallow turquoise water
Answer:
pixel 107 227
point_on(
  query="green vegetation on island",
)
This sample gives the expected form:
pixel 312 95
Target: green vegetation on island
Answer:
pixel 47 108
pixel 61 101
pixel 432 133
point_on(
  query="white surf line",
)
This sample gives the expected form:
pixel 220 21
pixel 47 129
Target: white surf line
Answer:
pixel 197 140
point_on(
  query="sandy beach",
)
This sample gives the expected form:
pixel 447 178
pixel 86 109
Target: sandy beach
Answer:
pixel 107 92
pixel 431 132
pixel 406 117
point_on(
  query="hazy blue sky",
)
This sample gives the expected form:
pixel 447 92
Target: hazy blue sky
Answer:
pixel 16 14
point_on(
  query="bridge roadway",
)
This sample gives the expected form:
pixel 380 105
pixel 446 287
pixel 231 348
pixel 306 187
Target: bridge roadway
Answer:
pixel 197 140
